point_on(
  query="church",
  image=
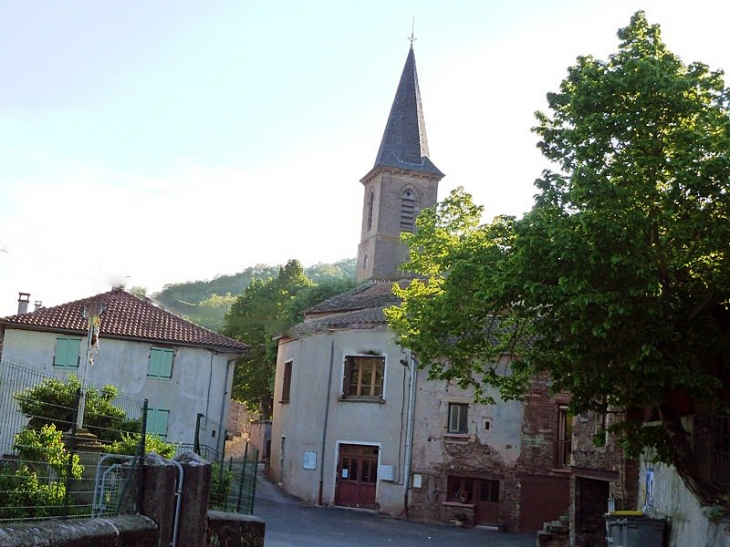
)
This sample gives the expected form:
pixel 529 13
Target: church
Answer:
pixel 357 423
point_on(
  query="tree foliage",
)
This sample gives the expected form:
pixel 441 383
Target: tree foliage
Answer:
pixel 35 486
pixel 52 402
pixel 207 302
pixel 266 308
pixel 617 281
pixel 128 445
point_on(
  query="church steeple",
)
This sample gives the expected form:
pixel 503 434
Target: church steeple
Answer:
pixel 404 143
pixel 403 181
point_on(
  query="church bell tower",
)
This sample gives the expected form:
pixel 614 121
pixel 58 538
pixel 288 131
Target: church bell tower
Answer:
pixel 401 183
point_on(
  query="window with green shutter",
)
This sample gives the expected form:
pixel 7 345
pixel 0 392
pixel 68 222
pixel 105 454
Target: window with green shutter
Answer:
pixel 160 364
pixel 67 352
pixel 157 419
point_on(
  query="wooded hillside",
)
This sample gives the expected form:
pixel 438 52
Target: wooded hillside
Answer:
pixel 206 302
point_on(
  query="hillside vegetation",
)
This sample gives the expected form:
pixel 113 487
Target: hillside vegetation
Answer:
pixel 207 302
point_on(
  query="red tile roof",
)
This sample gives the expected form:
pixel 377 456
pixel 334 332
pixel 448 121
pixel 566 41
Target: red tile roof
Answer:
pixel 127 317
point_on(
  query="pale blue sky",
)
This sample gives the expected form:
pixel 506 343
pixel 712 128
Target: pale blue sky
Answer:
pixel 158 142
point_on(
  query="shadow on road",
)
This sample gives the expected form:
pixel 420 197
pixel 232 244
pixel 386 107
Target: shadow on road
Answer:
pixel 291 523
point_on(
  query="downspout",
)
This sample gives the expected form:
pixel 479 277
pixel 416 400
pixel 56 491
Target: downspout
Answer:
pixel 409 432
pixel 326 418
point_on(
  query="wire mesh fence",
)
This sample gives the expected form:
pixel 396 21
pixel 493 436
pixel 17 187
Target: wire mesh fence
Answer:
pixel 48 462
pixel 52 467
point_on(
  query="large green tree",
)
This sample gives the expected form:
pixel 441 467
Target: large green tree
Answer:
pixel 617 282
pixel 266 308
pixel 255 317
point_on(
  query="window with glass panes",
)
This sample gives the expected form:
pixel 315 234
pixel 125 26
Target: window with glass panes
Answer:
pixel 458 414
pixel 363 376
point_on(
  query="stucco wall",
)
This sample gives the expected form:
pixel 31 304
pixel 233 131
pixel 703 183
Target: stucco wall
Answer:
pixel 200 380
pixel 689 523
pixel 301 420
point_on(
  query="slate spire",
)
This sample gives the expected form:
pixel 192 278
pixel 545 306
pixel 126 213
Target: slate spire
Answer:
pixel 404 143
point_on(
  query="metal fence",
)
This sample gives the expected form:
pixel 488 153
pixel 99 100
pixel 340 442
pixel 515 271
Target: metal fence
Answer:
pixel 233 486
pixel 48 465
pixel 49 468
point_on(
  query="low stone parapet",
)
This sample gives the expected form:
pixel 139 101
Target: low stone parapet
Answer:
pixel 234 530
pixel 125 531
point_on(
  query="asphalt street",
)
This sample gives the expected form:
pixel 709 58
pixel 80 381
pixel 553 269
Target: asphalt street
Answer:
pixel 291 523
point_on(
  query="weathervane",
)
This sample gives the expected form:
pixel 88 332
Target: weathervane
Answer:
pixel 412 38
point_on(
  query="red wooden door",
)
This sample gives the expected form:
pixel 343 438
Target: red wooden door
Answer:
pixel 357 475
pixel 487 502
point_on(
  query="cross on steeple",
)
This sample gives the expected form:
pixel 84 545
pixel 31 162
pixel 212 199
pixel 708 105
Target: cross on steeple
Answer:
pixel 412 38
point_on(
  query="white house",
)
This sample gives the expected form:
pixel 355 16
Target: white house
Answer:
pixel 183 370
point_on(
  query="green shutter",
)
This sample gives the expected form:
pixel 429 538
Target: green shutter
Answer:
pixel 160 365
pixel 67 352
pixel 157 422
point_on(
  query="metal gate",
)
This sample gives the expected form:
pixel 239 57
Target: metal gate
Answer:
pixel 542 499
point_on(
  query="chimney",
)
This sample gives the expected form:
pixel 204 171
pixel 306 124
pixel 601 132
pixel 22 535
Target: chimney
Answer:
pixel 23 302
pixel 37 305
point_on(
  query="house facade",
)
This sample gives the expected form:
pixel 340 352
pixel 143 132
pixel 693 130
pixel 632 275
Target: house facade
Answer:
pixel 341 411
pixel 183 370
pixel 357 423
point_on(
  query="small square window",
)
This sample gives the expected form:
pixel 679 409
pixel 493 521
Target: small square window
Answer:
pixel 458 418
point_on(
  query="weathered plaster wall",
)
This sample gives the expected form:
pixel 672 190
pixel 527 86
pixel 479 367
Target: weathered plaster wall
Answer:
pixel 489 450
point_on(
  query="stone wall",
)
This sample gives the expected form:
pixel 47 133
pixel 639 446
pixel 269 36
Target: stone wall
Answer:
pixel 125 531
pixel 234 530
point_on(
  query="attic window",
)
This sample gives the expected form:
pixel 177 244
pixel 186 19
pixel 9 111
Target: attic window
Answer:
pixel 408 211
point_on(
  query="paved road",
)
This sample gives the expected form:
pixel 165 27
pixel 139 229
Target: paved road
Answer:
pixel 290 523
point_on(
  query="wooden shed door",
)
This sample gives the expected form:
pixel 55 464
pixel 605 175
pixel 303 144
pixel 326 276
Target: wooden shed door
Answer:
pixel 357 475
pixel 542 499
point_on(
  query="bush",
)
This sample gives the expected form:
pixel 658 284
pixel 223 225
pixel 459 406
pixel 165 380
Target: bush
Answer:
pixel 220 484
pixel 34 487
pixel 38 449
pixel 26 496
pixel 129 445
